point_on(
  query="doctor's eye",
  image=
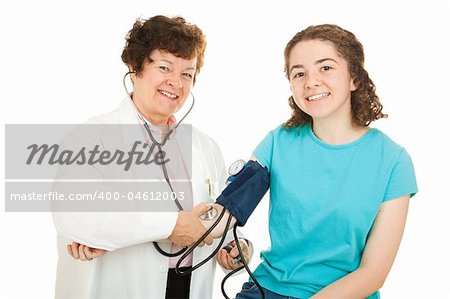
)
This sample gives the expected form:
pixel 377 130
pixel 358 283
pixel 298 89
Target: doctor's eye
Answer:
pixel 188 76
pixel 164 68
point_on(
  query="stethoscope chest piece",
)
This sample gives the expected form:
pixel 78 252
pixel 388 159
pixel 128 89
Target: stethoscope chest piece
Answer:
pixel 209 215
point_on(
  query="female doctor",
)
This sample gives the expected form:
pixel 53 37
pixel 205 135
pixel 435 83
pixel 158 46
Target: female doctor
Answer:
pixel 164 56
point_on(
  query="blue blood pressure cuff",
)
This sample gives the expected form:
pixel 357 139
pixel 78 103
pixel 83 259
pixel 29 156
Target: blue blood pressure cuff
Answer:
pixel 245 191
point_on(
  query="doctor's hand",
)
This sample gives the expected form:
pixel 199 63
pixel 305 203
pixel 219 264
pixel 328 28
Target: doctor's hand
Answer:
pixel 189 229
pixel 227 259
pixel 83 252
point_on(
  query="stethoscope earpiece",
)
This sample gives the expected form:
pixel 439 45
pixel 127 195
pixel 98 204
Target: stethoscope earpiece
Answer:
pixel 123 80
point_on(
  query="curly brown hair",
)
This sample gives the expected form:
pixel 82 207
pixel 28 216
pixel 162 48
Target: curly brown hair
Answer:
pixel 173 35
pixel 366 106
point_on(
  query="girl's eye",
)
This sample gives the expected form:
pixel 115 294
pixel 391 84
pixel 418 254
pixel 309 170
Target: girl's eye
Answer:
pixel 326 68
pixel 298 75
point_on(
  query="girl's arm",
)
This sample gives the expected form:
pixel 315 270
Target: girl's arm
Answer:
pixel 378 257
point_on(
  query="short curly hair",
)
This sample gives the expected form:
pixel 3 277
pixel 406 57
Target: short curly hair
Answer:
pixel 170 34
pixel 366 106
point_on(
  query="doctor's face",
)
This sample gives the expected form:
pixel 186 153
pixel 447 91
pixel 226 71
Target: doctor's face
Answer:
pixel 163 86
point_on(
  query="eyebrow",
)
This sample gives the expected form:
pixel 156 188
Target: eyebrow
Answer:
pixel 297 66
pixel 170 62
pixel 165 60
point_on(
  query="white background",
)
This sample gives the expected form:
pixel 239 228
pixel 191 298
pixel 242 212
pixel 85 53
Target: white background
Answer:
pixel 60 63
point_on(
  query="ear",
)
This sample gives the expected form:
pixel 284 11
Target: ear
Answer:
pixel 132 75
pixel 353 85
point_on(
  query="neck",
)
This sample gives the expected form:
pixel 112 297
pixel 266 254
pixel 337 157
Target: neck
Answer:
pixel 153 118
pixel 338 133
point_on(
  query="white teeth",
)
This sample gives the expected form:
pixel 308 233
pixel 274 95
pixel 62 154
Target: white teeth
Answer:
pixel 318 96
pixel 167 94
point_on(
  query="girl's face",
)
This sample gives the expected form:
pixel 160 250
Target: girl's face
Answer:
pixel 163 86
pixel 320 81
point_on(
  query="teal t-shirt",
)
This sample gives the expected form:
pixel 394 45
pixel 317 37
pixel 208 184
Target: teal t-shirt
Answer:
pixel 323 202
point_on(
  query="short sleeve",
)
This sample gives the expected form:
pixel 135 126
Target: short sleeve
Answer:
pixel 263 152
pixel 403 179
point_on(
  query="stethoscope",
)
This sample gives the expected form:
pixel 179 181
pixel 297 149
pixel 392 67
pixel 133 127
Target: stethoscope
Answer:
pixel 209 215
pixel 160 145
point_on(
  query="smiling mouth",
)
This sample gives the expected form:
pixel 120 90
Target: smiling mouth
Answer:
pixel 168 94
pixel 318 97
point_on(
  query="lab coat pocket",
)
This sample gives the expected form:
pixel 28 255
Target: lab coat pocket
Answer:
pixel 206 191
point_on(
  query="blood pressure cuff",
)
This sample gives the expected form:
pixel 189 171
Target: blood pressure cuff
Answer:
pixel 245 191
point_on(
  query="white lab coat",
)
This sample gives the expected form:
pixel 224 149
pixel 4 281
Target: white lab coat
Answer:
pixel 133 269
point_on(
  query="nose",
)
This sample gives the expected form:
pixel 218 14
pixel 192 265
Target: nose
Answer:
pixel 312 81
pixel 175 82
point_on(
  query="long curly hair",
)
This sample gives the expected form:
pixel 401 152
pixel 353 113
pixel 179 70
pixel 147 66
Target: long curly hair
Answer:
pixel 365 105
pixel 173 35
